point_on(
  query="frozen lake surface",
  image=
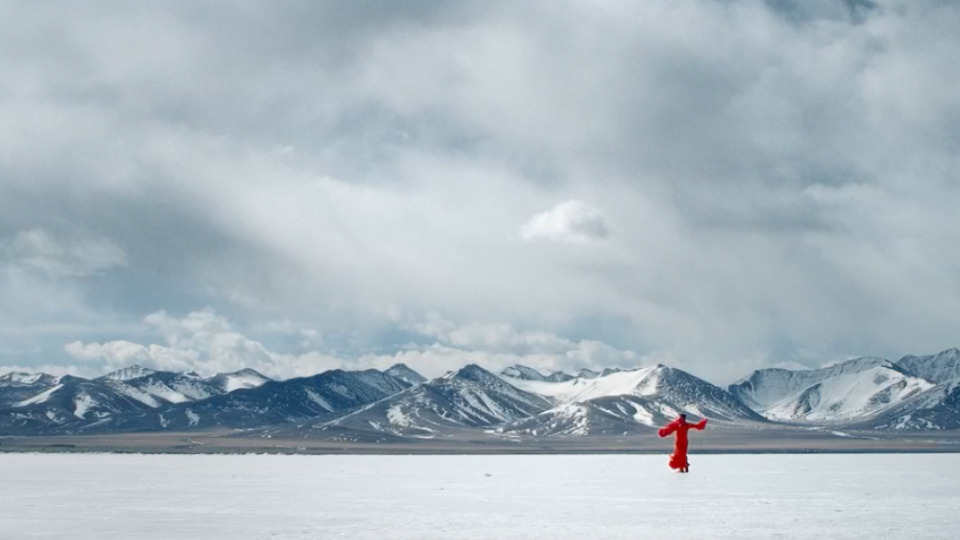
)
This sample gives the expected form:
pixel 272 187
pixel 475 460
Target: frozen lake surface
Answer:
pixel 96 496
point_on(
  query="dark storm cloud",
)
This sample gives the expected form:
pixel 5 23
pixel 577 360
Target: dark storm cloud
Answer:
pixel 732 183
pixel 854 11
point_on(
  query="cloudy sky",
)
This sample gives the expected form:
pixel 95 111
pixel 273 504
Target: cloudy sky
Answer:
pixel 718 185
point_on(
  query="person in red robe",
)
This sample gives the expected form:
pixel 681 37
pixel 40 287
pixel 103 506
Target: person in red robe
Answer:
pixel 678 460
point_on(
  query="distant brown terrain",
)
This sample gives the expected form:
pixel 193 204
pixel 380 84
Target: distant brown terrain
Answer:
pixel 723 440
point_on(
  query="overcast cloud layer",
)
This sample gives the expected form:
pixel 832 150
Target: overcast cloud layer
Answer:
pixel 295 186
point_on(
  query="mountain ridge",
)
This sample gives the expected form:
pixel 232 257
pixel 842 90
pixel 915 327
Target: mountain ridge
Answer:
pixel 915 393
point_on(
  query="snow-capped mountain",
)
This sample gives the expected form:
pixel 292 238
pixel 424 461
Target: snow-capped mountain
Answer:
pixel 157 388
pixel 917 393
pixel 935 409
pixel 71 402
pixel 591 374
pixel 141 399
pixel 610 415
pixel 530 374
pixel 127 373
pixel 586 374
pixel 627 401
pixel 404 373
pixel 837 394
pixel 681 390
pixel 121 398
pixel 17 386
pixel 238 380
pixel 16 378
pixel 937 368
pixel 469 398
pixel 274 402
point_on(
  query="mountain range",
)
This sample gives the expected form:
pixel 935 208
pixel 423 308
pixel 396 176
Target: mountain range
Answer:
pixel 914 394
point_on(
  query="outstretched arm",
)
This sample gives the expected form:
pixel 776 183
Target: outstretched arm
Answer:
pixel 668 429
pixel 700 425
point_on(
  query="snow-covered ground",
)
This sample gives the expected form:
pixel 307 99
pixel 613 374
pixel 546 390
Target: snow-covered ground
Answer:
pixel 96 496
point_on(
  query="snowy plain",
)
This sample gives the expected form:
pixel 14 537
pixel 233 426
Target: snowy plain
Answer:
pixel 99 496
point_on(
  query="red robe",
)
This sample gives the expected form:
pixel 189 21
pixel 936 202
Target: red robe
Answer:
pixel 679 458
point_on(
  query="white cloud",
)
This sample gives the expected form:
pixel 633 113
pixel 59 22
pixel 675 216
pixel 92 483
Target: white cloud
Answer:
pixel 489 337
pixel 203 341
pixel 120 353
pixel 497 346
pixel 571 221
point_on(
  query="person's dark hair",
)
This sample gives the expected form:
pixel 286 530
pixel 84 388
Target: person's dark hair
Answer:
pixel 683 415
